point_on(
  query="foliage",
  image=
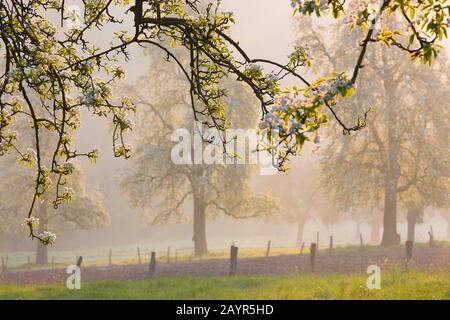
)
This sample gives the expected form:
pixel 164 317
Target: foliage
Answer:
pixel 426 22
pixel 85 210
pixel 404 150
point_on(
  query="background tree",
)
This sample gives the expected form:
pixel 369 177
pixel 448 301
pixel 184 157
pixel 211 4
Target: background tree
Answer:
pixel 160 188
pixel 404 149
pixel 302 196
pixel 446 215
pixel 86 211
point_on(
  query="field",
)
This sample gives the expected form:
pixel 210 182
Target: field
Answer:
pixel 18 261
pixel 396 284
pixel 283 275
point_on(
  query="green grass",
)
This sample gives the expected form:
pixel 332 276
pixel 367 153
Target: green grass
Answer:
pixel 395 285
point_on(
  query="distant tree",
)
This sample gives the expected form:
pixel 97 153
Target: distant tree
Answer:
pixel 446 215
pixel 403 153
pixel 375 221
pixel 160 188
pixel 85 211
pixel 301 197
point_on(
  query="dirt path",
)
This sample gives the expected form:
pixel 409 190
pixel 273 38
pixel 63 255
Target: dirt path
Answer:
pixel 433 259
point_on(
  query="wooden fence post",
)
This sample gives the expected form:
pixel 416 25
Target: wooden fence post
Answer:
pixel 139 255
pixel 233 260
pixel 361 242
pixel 302 247
pixel 110 257
pixel 53 262
pixel 79 261
pixel 4 264
pixel 312 255
pixel 431 235
pixel 268 248
pixel 409 249
pixel 28 263
pixel 152 265
pixel 331 244
pixel 168 254
pixel 176 256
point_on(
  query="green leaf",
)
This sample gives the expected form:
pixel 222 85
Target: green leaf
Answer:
pixel 412 12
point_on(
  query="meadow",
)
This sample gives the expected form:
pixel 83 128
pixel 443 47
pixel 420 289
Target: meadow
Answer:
pixel 396 284
pixel 283 275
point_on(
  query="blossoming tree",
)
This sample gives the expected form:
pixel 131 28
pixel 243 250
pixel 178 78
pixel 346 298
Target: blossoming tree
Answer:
pixel 66 72
pixel 86 210
pixel 164 190
pixel 401 158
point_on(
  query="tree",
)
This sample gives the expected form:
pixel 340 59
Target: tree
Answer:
pixel 401 156
pixel 161 187
pixel 302 196
pixel 86 211
pixel 66 72
pixel 446 215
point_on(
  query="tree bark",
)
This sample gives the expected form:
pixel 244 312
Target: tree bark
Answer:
pixel 448 228
pixel 411 219
pixel 199 237
pixel 392 169
pixel 375 228
pixel 41 250
pixel 300 228
pixel 448 225
pixel 358 229
pixel 390 235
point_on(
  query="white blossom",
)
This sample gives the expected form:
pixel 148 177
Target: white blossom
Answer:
pixel 31 221
pixel 48 238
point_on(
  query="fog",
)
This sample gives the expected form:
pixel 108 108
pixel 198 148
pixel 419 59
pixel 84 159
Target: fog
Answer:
pixel 264 28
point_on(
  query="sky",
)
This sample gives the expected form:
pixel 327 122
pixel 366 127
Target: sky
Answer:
pixel 264 27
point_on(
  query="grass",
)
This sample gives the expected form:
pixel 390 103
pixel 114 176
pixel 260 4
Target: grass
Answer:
pixel 394 285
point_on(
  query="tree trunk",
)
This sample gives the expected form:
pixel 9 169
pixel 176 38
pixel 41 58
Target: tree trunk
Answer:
pixel 358 229
pixel 412 219
pixel 392 169
pixel 448 225
pixel 41 250
pixel 375 228
pixel 448 228
pixel 300 227
pixel 199 238
pixel 390 235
